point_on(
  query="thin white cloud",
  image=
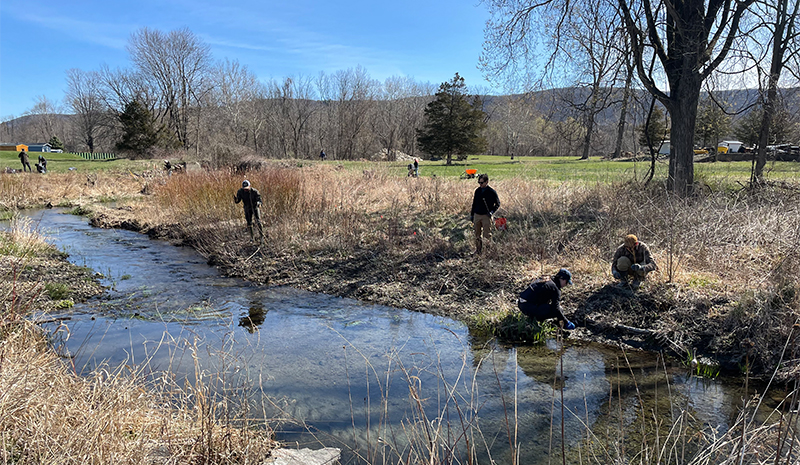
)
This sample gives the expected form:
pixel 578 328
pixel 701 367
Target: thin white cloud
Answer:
pixel 109 35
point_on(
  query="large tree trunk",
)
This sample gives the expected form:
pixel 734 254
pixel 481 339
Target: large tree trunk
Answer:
pixel 683 113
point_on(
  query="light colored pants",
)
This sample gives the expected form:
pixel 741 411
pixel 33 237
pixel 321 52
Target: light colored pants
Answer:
pixel 483 227
pixel 624 267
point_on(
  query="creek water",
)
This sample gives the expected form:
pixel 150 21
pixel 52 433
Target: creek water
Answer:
pixel 357 376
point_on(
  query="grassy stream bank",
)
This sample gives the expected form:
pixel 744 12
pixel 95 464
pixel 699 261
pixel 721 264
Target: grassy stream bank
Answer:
pixel 726 292
pixel 121 415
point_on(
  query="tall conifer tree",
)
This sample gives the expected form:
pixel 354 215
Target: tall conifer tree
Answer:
pixel 454 122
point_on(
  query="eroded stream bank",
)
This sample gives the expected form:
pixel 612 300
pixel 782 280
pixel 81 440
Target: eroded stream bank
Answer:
pixel 344 369
pixel 683 323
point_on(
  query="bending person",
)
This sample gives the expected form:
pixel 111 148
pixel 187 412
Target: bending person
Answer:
pixel 541 299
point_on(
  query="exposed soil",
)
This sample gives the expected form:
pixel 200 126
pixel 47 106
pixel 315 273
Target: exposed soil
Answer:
pixel 657 317
pixel 45 282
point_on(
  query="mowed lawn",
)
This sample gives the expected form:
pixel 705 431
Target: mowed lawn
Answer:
pixel 62 162
pixel 595 169
pixel 552 169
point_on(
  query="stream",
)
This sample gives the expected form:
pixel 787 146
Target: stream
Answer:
pixel 364 378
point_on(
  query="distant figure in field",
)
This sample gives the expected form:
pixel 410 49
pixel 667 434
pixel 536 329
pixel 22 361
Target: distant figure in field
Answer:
pixel 322 155
pixel 540 300
pixel 43 163
pixel 484 203
pixel 23 157
pixel 416 168
pixel 251 200
pixel 632 260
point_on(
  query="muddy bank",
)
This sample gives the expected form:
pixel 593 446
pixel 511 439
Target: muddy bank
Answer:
pixel 45 282
pixel 683 323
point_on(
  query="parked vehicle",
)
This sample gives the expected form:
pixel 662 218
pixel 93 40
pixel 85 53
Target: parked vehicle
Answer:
pixel 730 146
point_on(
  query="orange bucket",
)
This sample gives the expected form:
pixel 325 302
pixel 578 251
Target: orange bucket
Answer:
pixel 500 224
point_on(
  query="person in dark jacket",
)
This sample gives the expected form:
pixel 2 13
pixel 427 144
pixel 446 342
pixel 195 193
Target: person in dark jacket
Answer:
pixel 43 164
pixel 540 300
pixel 251 200
pixel 23 157
pixel 484 203
pixel 632 260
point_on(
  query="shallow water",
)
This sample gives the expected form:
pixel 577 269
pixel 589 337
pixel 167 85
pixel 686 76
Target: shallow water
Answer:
pixel 352 372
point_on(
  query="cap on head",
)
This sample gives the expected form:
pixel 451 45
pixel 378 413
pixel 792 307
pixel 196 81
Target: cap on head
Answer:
pixel 631 240
pixel 564 273
pixel 245 183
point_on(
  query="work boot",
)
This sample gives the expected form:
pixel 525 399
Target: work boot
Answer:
pixel 479 248
pixel 250 230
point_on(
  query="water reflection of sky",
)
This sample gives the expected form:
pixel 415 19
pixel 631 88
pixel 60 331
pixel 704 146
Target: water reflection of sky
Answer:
pixel 338 364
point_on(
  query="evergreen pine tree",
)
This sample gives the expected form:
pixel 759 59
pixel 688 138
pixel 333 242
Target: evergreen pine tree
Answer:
pixel 139 131
pixel 453 122
pixel 56 143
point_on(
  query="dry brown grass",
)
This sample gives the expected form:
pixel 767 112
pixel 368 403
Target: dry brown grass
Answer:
pixel 19 191
pixel 724 239
pixel 48 414
pixel 728 261
pixel 124 415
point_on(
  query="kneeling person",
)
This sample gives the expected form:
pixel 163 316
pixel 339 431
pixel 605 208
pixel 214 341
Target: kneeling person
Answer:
pixel 540 300
pixel 632 260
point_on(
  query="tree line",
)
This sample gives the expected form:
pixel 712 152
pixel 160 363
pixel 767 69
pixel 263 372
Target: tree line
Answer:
pixel 175 97
pixel 601 96
pixel 676 51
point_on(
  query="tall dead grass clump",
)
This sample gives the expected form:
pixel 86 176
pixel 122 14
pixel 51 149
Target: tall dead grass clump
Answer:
pixel 19 247
pixel 48 414
pixel 126 415
pixel 20 191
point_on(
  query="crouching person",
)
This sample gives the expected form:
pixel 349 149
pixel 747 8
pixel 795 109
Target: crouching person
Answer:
pixel 632 261
pixel 540 300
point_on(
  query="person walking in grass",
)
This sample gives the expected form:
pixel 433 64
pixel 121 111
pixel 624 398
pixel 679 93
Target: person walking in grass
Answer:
pixel 540 300
pixel 484 203
pixel 251 200
pixel 43 163
pixel 23 157
pixel 632 261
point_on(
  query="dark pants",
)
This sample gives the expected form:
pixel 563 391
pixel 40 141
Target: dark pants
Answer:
pixel 541 312
pixel 249 214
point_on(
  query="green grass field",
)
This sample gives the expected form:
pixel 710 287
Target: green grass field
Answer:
pixel 62 162
pixel 552 169
pixel 595 170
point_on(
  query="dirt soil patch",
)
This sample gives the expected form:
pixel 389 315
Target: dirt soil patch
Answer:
pixel 657 317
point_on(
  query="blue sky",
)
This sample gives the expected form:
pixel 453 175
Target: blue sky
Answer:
pixel 427 40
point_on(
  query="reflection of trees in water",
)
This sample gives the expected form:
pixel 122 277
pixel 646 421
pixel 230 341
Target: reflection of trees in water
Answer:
pixel 254 318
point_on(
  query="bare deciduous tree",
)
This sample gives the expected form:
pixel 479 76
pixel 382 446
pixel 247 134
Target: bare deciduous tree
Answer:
pixel 688 40
pixel 178 65
pixel 784 47
pixel 84 96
